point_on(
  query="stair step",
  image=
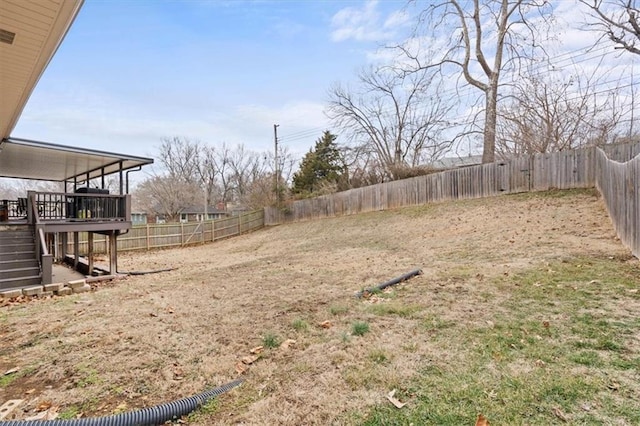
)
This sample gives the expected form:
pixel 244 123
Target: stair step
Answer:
pixel 7 236
pixel 18 255
pixel 19 272
pixel 8 283
pixel 10 248
pixel 27 262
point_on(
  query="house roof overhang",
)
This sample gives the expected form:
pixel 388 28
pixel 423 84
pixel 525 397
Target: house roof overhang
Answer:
pixel 30 34
pixel 26 159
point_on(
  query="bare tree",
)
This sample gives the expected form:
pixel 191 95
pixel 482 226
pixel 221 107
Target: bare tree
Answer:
pixel 166 196
pixel 618 20
pixel 399 117
pixel 179 158
pixel 547 115
pixel 245 167
pixel 490 36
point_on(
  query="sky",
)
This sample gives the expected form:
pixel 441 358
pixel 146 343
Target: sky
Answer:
pixel 132 72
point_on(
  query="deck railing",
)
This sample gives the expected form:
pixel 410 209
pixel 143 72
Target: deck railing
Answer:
pixel 78 207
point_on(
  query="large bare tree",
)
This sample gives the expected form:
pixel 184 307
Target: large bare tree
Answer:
pixel 618 20
pixel 547 114
pixel 395 115
pixel 488 37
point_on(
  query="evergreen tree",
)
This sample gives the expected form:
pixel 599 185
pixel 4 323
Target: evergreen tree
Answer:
pixel 321 165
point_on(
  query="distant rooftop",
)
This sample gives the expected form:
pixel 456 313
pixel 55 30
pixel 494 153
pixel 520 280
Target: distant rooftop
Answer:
pixel 456 162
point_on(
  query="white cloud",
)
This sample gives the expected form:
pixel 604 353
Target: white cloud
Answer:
pixel 397 19
pixel 366 24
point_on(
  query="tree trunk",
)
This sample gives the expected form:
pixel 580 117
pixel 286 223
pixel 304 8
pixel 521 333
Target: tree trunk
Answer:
pixel 491 117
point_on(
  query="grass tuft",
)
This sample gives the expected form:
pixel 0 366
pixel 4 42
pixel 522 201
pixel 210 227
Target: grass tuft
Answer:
pixel 338 310
pixel 359 328
pixel 270 341
pixel 300 325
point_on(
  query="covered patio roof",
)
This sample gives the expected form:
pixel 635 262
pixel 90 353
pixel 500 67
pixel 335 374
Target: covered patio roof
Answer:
pixel 26 159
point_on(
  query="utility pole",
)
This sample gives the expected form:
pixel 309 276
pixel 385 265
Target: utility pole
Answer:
pixel 277 178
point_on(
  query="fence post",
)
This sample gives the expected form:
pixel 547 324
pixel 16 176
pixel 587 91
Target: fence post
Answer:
pixel 213 230
pixel 239 223
pixel 181 234
pixel 148 238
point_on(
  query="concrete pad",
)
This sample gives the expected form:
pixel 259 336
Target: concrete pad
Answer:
pixel 46 294
pixel 64 274
pixel 32 291
pixel 100 278
pixel 8 294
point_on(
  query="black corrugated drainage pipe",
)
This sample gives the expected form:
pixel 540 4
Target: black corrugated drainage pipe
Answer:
pixel 386 284
pixel 151 416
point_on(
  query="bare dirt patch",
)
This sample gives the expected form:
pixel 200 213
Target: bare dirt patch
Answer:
pixel 155 338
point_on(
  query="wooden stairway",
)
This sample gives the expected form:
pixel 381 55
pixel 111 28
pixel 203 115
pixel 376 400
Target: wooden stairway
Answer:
pixel 19 265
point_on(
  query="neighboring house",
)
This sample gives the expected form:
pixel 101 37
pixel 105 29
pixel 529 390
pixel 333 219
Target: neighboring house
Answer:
pixel 236 209
pixel 456 162
pixel 197 214
pixel 138 218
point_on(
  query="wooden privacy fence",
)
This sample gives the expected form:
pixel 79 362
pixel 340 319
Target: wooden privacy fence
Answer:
pixel 152 236
pixel 619 184
pixel 538 172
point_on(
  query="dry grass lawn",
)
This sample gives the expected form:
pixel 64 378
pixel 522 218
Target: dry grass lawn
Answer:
pixel 150 339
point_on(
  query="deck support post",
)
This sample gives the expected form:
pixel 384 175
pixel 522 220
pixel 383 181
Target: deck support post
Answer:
pixel 113 252
pixel 76 250
pixel 65 245
pixel 90 252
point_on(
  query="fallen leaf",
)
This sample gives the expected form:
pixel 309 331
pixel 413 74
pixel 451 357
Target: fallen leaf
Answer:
pixel 326 324
pixel 29 392
pixel 250 359
pixel 540 363
pixel 287 343
pixel 559 414
pixel 240 367
pixel 257 349
pixel 11 371
pixel 482 421
pixel 178 373
pixel 153 314
pixel 170 310
pixel 44 405
pixel 613 386
pixel 546 324
pixel 394 401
